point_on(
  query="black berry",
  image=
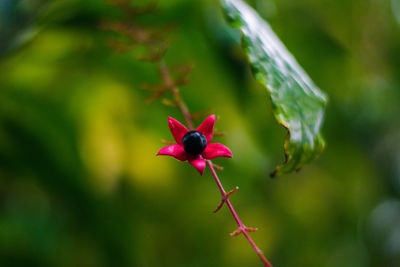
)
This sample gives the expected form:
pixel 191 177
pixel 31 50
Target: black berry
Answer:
pixel 194 142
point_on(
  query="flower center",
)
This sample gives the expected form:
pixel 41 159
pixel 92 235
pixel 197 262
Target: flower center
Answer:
pixel 194 142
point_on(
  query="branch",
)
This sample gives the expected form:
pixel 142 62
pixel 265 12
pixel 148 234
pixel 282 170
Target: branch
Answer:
pixel 170 84
pixel 242 229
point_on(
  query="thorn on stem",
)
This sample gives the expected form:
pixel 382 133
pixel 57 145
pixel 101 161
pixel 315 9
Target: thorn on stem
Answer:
pixel 243 229
pixel 248 229
pixel 219 206
pixel 170 142
pixel 169 103
pixel 225 196
pixel 231 192
pixel 218 167
pixel 235 233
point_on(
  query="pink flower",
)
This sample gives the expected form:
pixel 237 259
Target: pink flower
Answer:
pixel 194 146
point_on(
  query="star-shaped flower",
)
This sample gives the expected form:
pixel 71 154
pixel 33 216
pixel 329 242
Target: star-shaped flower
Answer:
pixel 194 146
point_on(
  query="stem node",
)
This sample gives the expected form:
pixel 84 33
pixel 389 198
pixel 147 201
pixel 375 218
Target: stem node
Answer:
pixel 225 197
pixel 243 229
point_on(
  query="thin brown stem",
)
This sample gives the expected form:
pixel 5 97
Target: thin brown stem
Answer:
pixel 242 229
pixel 169 83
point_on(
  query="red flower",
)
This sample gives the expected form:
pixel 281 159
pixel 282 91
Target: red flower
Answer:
pixel 194 146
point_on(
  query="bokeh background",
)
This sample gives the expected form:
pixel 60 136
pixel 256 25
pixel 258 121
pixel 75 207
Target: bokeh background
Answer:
pixel 79 181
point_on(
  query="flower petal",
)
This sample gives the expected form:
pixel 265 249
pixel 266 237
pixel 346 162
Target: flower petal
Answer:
pixel 207 127
pixel 176 151
pixel 177 130
pixel 199 163
pixel 214 150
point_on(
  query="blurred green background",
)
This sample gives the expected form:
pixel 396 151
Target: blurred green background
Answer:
pixel 79 181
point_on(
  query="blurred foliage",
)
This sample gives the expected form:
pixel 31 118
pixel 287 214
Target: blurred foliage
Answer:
pixel 17 22
pixel 79 182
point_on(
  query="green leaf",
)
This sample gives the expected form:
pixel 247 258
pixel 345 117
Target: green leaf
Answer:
pixel 297 103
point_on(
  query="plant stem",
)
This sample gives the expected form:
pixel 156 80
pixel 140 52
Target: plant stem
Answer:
pixel 242 228
pixel 169 82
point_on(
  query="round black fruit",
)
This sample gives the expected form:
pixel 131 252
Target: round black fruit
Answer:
pixel 194 142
